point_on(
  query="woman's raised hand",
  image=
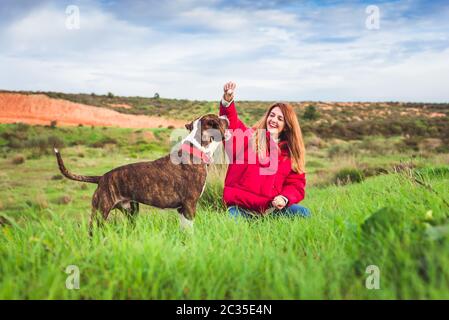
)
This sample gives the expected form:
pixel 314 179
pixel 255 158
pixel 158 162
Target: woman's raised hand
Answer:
pixel 228 89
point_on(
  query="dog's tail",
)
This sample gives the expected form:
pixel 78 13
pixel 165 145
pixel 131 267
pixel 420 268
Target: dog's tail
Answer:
pixel 66 173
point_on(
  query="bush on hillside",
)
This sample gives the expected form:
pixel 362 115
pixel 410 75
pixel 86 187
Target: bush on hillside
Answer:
pixel 311 113
pixel 348 175
pixel 101 143
pixel 19 159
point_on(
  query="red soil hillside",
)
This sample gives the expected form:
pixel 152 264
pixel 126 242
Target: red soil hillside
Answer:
pixel 40 109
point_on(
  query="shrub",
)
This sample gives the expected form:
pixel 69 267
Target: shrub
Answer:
pixel 410 143
pixel 315 142
pixel 55 142
pixel 341 149
pixel 101 143
pixel 314 164
pixel 430 144
pixel 4 221
pixel 348 175
pixel 41 201
pixel 53 124
pixel 38 143
pixel 44 145
pixel 15 143
pixel 403 166
pixel 22 126
pixel 310 113
pixel 444 148
pixel 374 171
pixel 398 241
pixel 375 146
pixel 64 199
pixel 34 155
pixel 19 159
pixel 110 95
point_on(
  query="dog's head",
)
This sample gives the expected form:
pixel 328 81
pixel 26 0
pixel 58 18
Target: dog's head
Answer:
pixel 208 128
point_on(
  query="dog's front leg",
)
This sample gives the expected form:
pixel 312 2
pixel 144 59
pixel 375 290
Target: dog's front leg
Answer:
pixel 187 214
pixel 186 224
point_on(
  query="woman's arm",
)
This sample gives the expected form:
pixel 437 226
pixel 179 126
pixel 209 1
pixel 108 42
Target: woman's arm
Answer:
pixel 227 107
pixel 294 187
pixel 235 146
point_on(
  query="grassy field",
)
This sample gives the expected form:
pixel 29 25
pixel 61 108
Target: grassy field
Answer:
pixel 375 201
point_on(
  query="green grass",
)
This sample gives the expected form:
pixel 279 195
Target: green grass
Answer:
pixel 397 221
pixel 322 257
pixel 36 141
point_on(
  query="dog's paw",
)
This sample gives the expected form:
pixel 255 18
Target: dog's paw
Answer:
pixel 186 225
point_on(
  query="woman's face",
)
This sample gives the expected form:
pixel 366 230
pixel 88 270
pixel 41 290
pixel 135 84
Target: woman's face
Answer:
pixel 275 121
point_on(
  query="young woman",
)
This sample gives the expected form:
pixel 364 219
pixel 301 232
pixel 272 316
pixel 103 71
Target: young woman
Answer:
pixel 266 174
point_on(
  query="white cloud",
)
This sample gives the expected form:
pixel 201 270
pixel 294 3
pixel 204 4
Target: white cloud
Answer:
pixel 236 20
pixel 272 54
pixel 43 31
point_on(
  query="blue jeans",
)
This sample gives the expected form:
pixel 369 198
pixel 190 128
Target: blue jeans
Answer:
pixel 295 210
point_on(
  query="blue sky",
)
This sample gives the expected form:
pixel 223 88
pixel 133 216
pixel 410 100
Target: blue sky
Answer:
pixel 273 50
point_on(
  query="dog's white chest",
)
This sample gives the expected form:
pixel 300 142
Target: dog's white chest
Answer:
pixel 204 187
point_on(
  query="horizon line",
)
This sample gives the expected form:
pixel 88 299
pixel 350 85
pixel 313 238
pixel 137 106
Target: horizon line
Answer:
pixel 218 99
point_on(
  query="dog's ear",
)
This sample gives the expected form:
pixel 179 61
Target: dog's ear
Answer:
pixel 224 121
pixel 189 126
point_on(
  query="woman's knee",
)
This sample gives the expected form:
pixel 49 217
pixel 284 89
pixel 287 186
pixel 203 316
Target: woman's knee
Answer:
pixel 297 209
pixel 233 211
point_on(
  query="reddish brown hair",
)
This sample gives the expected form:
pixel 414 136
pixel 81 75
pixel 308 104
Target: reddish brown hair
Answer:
pixel 291 133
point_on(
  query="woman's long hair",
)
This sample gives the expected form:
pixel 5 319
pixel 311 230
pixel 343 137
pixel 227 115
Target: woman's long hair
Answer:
pixel 291 133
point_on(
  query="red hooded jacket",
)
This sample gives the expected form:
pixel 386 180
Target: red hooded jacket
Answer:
pixel 254 184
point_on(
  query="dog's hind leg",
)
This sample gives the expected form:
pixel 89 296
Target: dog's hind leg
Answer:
pixel 133 212
pixel 130 209
pixel 93 216
pixel 105 209
pixel 94 213
pixel 100 202
pixel 135 208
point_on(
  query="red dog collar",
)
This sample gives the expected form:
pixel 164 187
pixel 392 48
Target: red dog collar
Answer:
pixel 195 152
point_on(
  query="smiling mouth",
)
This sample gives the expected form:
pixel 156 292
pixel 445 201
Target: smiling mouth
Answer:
pixel 272 126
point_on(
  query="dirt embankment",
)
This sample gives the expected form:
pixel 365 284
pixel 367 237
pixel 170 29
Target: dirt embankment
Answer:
pixel 40 109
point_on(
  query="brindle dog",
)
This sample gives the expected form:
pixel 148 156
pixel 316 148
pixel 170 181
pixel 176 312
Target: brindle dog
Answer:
pixel 162 183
